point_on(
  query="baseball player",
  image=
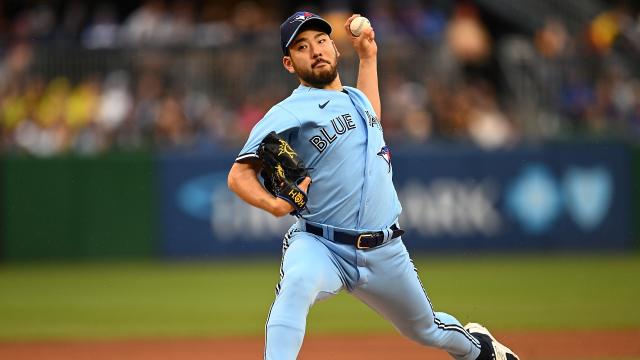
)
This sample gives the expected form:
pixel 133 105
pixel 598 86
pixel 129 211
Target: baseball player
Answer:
pixel 347 235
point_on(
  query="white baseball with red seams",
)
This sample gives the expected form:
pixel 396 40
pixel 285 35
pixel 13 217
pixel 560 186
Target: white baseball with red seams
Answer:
pixel 358 25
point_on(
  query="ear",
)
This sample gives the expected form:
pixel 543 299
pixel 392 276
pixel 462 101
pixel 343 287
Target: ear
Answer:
pixel 288 64
pixel 335 48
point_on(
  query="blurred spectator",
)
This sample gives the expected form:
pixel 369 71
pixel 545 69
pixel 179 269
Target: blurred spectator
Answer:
pixel 552 40
pixel 102 32
pixel 405 107
pixel 171 125
pixel 144 26
pixel 82 103
pixel 73 20
pixel 468 39
pixel 178 28
pixel 248 21
pixel 40 22
pixel 115 103
pixel 148 99
pixel 488 125
pixel 606 28
pixel 178 73
pixel 15 64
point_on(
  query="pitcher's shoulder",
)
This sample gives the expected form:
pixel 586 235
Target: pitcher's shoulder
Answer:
pixel 356 91
pixel 298 103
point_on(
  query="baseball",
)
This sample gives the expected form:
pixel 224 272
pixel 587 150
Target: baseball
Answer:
pixel 358 25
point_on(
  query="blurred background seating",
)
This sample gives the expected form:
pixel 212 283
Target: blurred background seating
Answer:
pixel 93 77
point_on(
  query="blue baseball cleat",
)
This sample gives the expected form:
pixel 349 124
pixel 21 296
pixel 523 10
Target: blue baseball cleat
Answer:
pixel 491 348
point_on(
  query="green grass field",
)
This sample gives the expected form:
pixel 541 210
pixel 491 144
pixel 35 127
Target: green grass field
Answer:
pixel 233 298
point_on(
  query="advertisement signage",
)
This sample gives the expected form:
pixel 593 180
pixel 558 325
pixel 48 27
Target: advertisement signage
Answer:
pixel 553 197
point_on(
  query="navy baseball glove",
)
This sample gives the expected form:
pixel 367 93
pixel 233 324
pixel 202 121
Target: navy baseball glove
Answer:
pixel 282 171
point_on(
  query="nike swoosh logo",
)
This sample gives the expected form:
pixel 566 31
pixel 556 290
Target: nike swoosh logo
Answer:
pixel 321 106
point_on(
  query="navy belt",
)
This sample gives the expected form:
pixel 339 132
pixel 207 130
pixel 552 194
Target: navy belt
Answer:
pixel 366 240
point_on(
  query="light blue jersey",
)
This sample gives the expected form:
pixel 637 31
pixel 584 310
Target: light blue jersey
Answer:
pixel 339 136
pixel 348 238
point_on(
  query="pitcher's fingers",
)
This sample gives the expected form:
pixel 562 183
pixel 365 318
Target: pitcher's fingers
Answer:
pixel 369 34
pixel 347 24
pixel 304 185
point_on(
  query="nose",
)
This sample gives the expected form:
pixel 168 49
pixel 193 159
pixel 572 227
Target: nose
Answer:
pixel 315 51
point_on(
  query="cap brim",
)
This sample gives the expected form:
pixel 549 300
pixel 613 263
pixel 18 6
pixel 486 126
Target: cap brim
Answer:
pixel 322 24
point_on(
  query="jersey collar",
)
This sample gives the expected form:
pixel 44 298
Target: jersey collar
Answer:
pixel 302 89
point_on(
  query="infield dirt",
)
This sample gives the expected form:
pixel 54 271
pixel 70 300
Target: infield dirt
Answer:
pixel 583 345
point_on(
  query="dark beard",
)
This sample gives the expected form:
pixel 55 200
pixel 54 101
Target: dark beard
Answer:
pixel 318 80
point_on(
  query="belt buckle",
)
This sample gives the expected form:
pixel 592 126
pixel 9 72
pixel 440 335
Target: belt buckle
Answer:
pixel 364 236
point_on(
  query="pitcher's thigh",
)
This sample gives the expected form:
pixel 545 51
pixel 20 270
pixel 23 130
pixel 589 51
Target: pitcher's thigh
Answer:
pixel 400 299
pixel 308 269
pixel 393 289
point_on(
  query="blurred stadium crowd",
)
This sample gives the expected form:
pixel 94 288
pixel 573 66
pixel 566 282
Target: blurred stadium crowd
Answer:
pixel 88 78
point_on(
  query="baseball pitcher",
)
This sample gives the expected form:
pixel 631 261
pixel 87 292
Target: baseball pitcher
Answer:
pixel 320 155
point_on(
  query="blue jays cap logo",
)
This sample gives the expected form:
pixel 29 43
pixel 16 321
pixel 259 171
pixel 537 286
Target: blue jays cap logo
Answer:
pixel 290 27
pixel 301 16
pixel 385 153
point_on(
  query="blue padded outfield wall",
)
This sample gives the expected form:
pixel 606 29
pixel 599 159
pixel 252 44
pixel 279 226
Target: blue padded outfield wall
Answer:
pixel 564 196
pixel 459 199
pixel 200 216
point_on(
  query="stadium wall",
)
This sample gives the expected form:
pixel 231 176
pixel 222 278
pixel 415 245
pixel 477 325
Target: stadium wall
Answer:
pixel 635 192
pixel 455 198
pixel 74 207
pixel 578 196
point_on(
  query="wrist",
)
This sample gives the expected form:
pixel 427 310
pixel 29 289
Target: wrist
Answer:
pixel 279 207
pixel 370 59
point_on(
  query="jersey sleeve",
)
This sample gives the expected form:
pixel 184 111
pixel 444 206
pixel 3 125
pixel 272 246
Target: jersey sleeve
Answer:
pixel 362 98
pixel 283 122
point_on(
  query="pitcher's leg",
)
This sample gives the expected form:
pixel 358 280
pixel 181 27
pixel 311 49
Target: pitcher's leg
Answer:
pixel 307 274
pixel 394 290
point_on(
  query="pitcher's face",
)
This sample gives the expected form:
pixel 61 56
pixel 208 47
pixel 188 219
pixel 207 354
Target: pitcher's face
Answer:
pixel 313 57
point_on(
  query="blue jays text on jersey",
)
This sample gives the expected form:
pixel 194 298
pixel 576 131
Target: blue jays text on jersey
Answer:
pixel 339 137
pixel 340 124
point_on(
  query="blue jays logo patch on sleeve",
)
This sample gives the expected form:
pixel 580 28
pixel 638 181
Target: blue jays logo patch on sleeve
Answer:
pixel 385 153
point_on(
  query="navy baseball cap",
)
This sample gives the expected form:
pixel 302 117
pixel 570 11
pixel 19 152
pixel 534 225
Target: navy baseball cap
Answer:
pixel 290 27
